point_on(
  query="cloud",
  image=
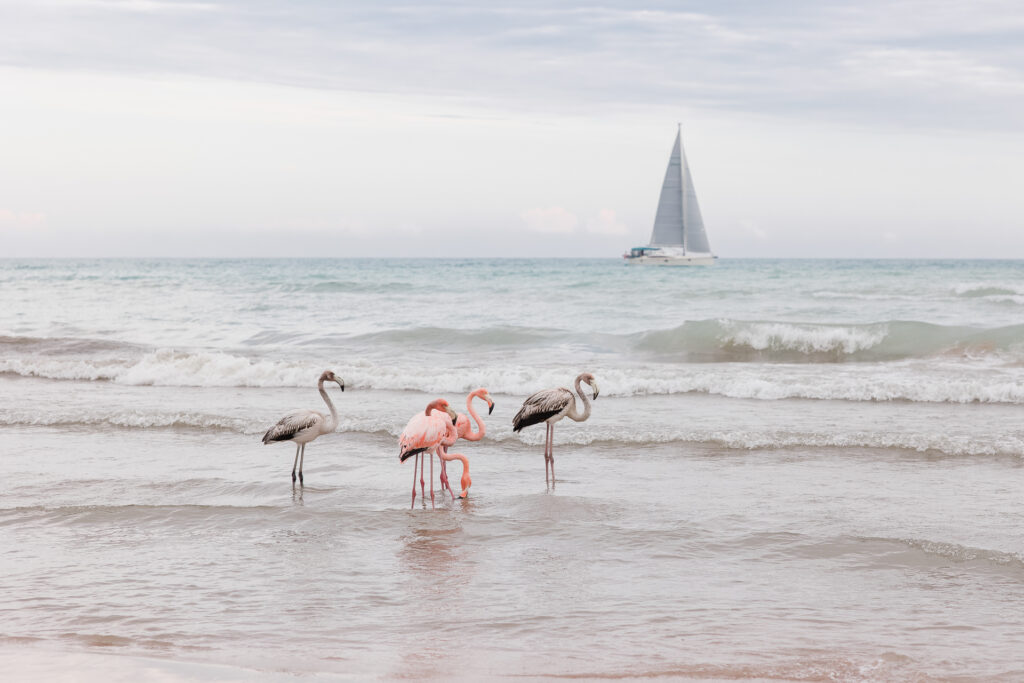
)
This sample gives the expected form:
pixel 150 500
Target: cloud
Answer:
pixel 22 221
pixel 607 223
pixel 551 220
pixel 845 61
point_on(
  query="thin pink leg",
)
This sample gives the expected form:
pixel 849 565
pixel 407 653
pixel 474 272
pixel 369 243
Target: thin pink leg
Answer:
pixel 423 484
pixel 414 464
pixel 431 456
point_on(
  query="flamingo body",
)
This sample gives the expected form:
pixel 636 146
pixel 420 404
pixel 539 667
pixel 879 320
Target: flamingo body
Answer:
pixel 300 426
pixel 423 433
pixel 547 405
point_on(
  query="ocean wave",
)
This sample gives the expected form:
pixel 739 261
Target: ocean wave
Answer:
pixel 628 435
pixel 994 292
pixel 693 341
pixel 126 420
pixel 949 381
pixel 954 445
pixel 769 341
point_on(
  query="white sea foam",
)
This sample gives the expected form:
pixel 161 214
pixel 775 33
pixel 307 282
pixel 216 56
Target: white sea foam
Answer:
pixel 949 444
pixel 777 336
pixel 963 379
pixel 125 419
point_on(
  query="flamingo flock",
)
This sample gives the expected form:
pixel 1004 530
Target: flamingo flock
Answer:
pixel 436 429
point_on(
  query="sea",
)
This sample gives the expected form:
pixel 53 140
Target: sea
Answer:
pixel 806 470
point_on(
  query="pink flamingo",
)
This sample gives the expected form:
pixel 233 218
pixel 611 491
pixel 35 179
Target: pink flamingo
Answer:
pixel 550 406
pixel 464 430
pixel 423 434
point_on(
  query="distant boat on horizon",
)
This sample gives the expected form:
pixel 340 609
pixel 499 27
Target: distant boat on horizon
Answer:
pixel 678 237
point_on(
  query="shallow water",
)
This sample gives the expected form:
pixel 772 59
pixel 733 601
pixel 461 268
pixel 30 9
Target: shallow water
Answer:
pixel 769 487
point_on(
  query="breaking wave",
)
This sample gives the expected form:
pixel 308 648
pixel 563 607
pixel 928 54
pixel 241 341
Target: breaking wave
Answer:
pixel 735 340
pixel 949 381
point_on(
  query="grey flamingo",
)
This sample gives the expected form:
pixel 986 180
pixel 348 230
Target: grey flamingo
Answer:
pixel 302 426
pixel 550 406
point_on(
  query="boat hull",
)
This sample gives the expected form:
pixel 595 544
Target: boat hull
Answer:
pixel 687 260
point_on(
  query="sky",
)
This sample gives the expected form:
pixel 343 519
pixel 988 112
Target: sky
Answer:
pixel 452 128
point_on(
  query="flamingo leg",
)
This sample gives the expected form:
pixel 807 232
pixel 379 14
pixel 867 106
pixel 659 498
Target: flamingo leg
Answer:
pixel 414 464
pixel 444 475
pixel 551 455
pixel 298 447
pixel 431 456
pixel 547 445
pixel 423 484
pixel 302 459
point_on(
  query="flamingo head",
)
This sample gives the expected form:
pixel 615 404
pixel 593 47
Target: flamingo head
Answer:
pixel 482 393
pixel 329 376
pixel 589 379
pixel 465 483
pixel 441 404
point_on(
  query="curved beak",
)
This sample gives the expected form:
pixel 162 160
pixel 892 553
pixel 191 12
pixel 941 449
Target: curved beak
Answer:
pixel 490 403
pixel 452 414
pixel 341 383
pixel 593 385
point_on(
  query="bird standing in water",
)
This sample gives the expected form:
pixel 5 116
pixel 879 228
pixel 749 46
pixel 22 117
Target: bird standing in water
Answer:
pixel 423 435
pixel 302 426
pixel 464 430
pixel 550 406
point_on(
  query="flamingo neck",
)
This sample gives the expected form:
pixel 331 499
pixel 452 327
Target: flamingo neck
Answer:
pixel 332 423
pixel 465 482
pixel 572 414
pixel 470 435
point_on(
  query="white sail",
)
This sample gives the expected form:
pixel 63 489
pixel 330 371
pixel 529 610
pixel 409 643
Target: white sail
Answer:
pixel 678 222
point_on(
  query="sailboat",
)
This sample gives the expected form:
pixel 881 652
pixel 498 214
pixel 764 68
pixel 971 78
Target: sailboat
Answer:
pixel 678 237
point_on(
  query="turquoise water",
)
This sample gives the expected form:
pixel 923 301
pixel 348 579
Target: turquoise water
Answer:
pixel 806 469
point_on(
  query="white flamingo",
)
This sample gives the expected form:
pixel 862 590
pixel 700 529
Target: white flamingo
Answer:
pixel 302 426
pixel 550 406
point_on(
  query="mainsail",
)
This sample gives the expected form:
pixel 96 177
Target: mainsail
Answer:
pixel 678 222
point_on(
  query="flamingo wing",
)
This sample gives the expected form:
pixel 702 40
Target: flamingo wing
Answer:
pixel 422 433
pixel 292 424
pixel 542 406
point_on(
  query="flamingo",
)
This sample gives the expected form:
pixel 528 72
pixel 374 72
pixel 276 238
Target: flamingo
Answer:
pixel 464 430
pixel 302 426
pixel 550 406
pixel 423 434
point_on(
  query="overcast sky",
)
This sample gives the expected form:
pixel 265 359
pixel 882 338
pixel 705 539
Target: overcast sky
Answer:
pixel 283 128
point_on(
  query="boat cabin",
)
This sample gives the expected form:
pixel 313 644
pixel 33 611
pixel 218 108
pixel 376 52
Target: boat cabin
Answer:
pixel 637 252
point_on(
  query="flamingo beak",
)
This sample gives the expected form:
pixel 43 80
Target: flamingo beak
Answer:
pixel 341 383
pixel 452 414
pixel 593 385
pixel 490 405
